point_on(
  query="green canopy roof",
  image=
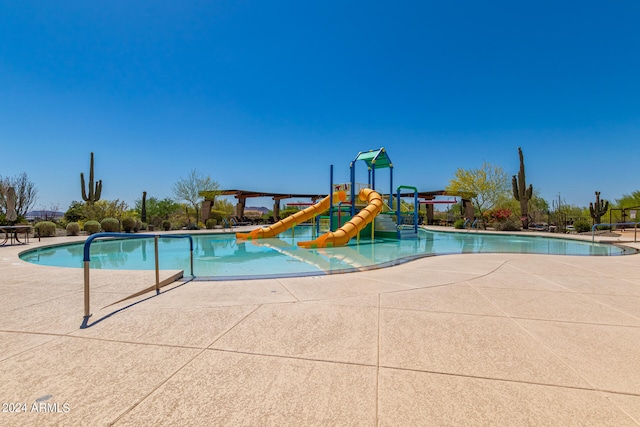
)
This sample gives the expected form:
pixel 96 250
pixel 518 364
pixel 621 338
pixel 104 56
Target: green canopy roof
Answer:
pixel 375 158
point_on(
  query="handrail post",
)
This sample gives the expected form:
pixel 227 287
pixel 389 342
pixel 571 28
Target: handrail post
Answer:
pixel 155 247
pixel 191 259
pixel 87 309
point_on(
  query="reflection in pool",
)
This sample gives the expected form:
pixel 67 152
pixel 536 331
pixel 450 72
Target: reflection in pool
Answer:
pixel 221 256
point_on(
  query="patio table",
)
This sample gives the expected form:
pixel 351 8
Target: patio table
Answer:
pixel 11 233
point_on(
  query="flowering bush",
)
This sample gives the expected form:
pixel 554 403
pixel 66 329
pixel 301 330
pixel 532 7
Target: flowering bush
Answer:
pixel 502 219
pixel 498 215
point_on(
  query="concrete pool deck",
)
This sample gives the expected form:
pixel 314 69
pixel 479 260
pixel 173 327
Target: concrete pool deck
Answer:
pixel 478 339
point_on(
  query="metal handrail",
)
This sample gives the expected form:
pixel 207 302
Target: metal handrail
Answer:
pixel 415 208
pixel 473 225
pixel 87 260
pixel 635 232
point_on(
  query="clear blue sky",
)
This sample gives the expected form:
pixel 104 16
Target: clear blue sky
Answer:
pixel 266 95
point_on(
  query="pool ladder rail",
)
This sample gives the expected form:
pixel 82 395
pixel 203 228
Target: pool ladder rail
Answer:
pixel 87 260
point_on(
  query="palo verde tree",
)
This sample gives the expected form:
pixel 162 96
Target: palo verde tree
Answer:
pixel 629 200
pixel 483 186
pixel 106 209
pixel 191 188
pixel 521 192
pixel 628 205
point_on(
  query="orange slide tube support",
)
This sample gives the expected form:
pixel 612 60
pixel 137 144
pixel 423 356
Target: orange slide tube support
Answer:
pixel 295 219
pixel 350 229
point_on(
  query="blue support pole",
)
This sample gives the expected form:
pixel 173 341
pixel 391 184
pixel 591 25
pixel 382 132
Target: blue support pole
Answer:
pixel 398 213
pixel 353 188
pixel 331 198
pixel 415 211
pixel 373 178
pixel 391 187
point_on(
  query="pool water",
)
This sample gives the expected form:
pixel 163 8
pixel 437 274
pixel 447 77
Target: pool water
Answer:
pixel 221 256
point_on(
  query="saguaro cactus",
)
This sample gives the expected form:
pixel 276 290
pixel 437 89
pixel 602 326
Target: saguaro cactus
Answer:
pixel 94 195
pixel 521 193
pixel 598 209
pixel 143 213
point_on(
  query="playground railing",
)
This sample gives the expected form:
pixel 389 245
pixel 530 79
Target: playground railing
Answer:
pixel 635 229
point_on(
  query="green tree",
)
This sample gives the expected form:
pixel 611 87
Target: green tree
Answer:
pixel 538 207
pixel 629 200
pixel 223 205
pixel 105 209
pixel 76 212
pixel 158 210
pixel 484 186
pixel 193 188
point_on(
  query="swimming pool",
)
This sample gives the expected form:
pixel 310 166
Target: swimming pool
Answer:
pixel 222 256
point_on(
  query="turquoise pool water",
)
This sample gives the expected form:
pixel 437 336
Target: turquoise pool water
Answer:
pixel 221 256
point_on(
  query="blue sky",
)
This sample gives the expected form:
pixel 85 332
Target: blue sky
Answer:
pixel 266 95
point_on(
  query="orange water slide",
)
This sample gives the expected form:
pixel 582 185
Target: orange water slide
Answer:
pixel 295 219
pixel 351 228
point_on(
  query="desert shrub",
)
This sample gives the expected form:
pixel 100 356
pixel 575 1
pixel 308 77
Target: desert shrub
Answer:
pixel 506 225
pixel 92 227
pixel 140 226
pixel 582 225
pixel 128 224
pixel 45 228
pixel 211 223
pixel 217 215
pixel 73 229
pixel 459 224
pixel 166 225
pixel 110 225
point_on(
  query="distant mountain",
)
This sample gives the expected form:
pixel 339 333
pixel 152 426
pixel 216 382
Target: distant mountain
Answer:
pixel 260 209
pixel 33 215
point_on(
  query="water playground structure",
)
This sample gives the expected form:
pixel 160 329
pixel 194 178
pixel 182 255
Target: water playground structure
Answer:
pixel 354 210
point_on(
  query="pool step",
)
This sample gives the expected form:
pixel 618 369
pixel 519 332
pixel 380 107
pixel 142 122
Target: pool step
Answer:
pixel 385 223
pixel 407 232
